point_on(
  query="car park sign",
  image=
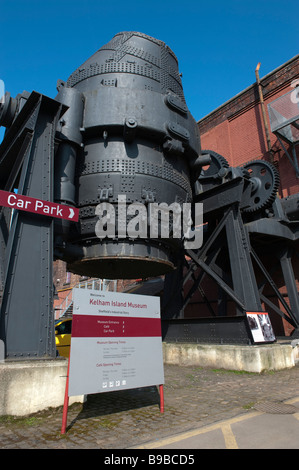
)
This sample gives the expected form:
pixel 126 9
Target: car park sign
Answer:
pixel 38 206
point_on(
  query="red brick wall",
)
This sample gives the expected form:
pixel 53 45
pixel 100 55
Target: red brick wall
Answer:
pixel 236 131
pixel 64 282
pixel 61 278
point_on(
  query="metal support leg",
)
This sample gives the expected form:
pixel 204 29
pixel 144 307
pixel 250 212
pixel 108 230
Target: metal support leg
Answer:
pixel 243 276
pixel 26 321
pixel 288 274
pixel 244 291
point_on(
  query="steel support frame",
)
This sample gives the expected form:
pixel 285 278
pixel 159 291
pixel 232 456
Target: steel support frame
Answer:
pixel 216 330
pixel 289 278
pixel 239 285
pixel 284 258
pixel 244 290
pixel 26 163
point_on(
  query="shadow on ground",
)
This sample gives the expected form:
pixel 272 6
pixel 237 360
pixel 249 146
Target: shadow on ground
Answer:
pixel 101 404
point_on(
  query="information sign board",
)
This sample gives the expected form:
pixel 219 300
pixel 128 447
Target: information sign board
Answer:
pixel 116 342
pixel 260 327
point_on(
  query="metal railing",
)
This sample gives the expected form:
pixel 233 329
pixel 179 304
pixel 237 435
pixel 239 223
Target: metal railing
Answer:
pixel 94 284
pixel 284 116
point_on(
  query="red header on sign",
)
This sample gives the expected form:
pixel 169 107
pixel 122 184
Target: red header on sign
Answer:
pixel 257 313
pixel 95 326
pixel 38 206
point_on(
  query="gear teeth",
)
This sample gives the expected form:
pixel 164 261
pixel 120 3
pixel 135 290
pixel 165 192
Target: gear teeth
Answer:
pixel 218 162
pixel 264 196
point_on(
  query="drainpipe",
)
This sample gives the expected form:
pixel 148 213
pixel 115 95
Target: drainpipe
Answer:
pixel 263 110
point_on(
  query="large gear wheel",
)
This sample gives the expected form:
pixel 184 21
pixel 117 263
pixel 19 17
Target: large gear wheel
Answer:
pixel 264 179
pixel 216 167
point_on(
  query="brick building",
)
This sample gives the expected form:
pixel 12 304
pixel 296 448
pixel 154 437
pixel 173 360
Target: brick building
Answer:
pixel 241 131
pixel 64 281
pixel 237 130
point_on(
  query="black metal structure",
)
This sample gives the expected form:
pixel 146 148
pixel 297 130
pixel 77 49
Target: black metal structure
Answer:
pixel 27 163
pixel 138 139
pixel 245 223
pixel 120 126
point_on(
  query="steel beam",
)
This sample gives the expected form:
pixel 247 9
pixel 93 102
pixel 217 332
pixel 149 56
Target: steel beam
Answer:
pixel 27 154
pixel 290 282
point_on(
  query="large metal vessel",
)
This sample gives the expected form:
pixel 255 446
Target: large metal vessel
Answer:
pixel 127 132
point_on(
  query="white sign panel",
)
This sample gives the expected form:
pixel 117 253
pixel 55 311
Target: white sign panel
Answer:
pixel 116 342
pixel 260 326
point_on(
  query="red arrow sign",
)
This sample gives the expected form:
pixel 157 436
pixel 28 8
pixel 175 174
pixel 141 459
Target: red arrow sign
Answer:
pixel 38 206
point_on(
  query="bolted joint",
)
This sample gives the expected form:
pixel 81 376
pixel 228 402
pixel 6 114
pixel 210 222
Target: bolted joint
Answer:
pixel 130 129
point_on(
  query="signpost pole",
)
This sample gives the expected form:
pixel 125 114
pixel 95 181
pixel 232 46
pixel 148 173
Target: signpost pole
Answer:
pixel 66 400
pixel 161 398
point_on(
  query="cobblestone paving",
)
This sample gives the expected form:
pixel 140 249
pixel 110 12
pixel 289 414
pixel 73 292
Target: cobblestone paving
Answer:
pixel 194 397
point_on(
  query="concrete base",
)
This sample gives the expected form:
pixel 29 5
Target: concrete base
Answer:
pixel 30 386
pixel 257 358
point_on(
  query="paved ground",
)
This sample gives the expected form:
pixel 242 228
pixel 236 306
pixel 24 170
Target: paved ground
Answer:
pixel 204 408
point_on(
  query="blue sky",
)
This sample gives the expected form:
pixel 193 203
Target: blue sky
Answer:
pixel 218 43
